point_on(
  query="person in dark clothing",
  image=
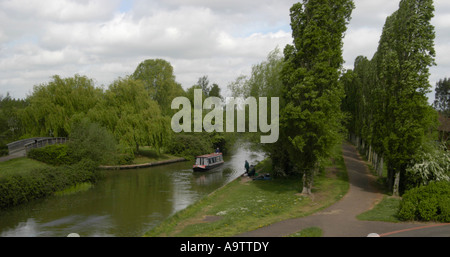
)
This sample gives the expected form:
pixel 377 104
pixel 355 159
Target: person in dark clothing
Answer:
pixel 247 166
pixel 252 171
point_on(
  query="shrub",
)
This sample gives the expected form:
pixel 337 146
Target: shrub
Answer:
pixel 427 203
pixel 189 146
pixel 430 164
pixel 21 188
pixel 124 159
pixel 52 154
pixel 91 141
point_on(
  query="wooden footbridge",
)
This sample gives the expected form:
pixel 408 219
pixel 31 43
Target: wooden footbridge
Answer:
pixel 20 148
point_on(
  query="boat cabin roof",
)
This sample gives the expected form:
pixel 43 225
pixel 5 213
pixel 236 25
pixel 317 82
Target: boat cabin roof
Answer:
pixel 209 155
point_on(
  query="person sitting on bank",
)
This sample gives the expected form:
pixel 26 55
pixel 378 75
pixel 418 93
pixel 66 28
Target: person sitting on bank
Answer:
pixel 252 171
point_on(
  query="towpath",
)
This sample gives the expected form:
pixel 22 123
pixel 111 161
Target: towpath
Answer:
pixel 339 220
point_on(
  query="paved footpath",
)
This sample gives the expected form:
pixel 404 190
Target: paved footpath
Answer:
pixel 339 220
pixel 13 156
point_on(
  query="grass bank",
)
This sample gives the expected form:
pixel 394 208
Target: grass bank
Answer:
pixel 245 205
pixel 24 180
pixel 386 210
pixel 148 155
pixel 21 165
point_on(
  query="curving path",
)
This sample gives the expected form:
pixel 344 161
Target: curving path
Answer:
pixel 339 220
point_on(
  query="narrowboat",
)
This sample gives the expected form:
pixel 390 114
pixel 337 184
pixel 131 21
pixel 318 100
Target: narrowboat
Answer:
pixel 208 161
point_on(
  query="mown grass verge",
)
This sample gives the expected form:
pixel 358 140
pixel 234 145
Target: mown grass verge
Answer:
pixel 245 205
pixel 385 210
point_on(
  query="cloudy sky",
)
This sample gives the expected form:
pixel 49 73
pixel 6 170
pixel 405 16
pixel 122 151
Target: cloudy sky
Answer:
pixel 107 39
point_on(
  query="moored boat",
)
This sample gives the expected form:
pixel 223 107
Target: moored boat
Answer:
pixel 208 161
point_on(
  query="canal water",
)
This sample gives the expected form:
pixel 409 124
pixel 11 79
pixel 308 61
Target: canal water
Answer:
pixel 125 203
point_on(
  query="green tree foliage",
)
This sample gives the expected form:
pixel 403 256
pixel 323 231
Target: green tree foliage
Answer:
pixel 190 94
pixel 265 81
pixel 190 145
pixel 442 96
pixel 92 142
pixel 131 115
pixel 386 96
pixel 53 107
pixel 203 83
pixel 132 108
pixel 409 110
pixel 159 80
pixel 431 163
pixel 10 124
pixel 215 91
pixel 57 155
pixel 311 119
pixel 427 203
pixel 207 90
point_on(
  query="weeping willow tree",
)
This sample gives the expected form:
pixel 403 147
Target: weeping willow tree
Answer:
pixel 54 106
pixel 133 117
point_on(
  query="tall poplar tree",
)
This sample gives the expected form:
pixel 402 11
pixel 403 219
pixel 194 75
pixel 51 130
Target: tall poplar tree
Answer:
pixel 408 114
pixel 396 118
pixel 311 119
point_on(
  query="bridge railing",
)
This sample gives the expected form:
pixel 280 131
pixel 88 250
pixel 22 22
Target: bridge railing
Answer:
pixel 38 143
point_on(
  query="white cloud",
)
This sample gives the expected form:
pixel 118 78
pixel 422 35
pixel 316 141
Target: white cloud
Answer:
pixel 61 10
pixel 105 39
pixel 360 41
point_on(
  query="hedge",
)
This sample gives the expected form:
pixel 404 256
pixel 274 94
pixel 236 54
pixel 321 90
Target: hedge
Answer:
pixel 22 188
pixel 52 154
pixel 427 203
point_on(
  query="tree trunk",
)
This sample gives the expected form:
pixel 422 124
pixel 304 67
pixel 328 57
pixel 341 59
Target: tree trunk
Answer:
pixel 396 186
pixel 380 167
pixel 390 178
pixel 307 181
pixel 375 160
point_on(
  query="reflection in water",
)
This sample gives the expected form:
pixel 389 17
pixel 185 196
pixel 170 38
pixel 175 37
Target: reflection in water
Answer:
pixel 91 225
pixel 124 203
pixel 28 228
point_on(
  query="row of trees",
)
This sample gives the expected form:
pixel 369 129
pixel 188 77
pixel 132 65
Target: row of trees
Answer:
pixel 135 109
pixel 386 95
pixel 382 101
pixel 306 78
